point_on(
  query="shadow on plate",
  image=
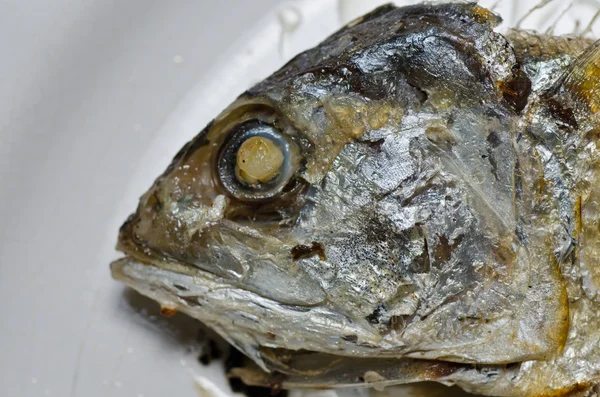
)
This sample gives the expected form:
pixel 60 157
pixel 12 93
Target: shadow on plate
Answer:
pixel 190 333
pixel 198 340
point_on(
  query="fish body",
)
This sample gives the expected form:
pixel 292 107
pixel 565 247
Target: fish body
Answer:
pixel 414 199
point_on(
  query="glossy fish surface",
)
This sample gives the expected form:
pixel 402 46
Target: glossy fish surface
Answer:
pixel 415 199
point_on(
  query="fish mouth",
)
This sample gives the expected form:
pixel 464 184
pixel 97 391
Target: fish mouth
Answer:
pixel 239 315
pixel 265 366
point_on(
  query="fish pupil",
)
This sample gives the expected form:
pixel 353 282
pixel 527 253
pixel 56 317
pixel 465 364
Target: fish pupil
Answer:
pixel 259 159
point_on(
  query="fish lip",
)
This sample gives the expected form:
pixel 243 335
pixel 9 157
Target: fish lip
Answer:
pixel 117 265
pixel 177 293
pixel 133 249
pixel 170 264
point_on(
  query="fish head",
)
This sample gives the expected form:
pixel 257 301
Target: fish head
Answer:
pixel 347 203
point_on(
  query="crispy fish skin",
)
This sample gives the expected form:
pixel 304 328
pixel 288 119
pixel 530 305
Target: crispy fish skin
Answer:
pixel 436 217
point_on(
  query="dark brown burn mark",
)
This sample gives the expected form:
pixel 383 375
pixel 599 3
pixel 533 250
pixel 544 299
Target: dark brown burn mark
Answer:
pixel 280 357
pixel 421 263
pixel 398 323
pixel 271 335
pixel 518 187
pixel 379 230
pixel 443 251
pixel 350 338
pixel 308 251
pixel 373 318
pixel 493 139
pixel 473 318
pixel 373 88
pixel 516 91
pixel 564 116
pixel 504 254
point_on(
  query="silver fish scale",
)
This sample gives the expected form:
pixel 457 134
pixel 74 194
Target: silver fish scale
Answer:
pixel 358 261
pixel 384 272
pixel 383 168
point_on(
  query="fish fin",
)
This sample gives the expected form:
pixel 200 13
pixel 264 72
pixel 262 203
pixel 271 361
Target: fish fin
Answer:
pixel 583 78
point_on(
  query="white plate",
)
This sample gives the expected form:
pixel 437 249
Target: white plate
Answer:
pixel 96 98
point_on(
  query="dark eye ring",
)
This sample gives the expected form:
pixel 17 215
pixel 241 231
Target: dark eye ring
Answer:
pixel 257 161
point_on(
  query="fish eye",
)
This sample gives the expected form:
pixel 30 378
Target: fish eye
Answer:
pixel 257 161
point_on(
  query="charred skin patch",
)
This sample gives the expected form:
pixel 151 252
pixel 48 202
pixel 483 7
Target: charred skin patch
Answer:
pixel 493 139
pixel 422 263
pixel 516 91
pixel 443 251
pixel 308 251
pixel 398 323
pixel 564 116
pixel 350 338
pixel 373 318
